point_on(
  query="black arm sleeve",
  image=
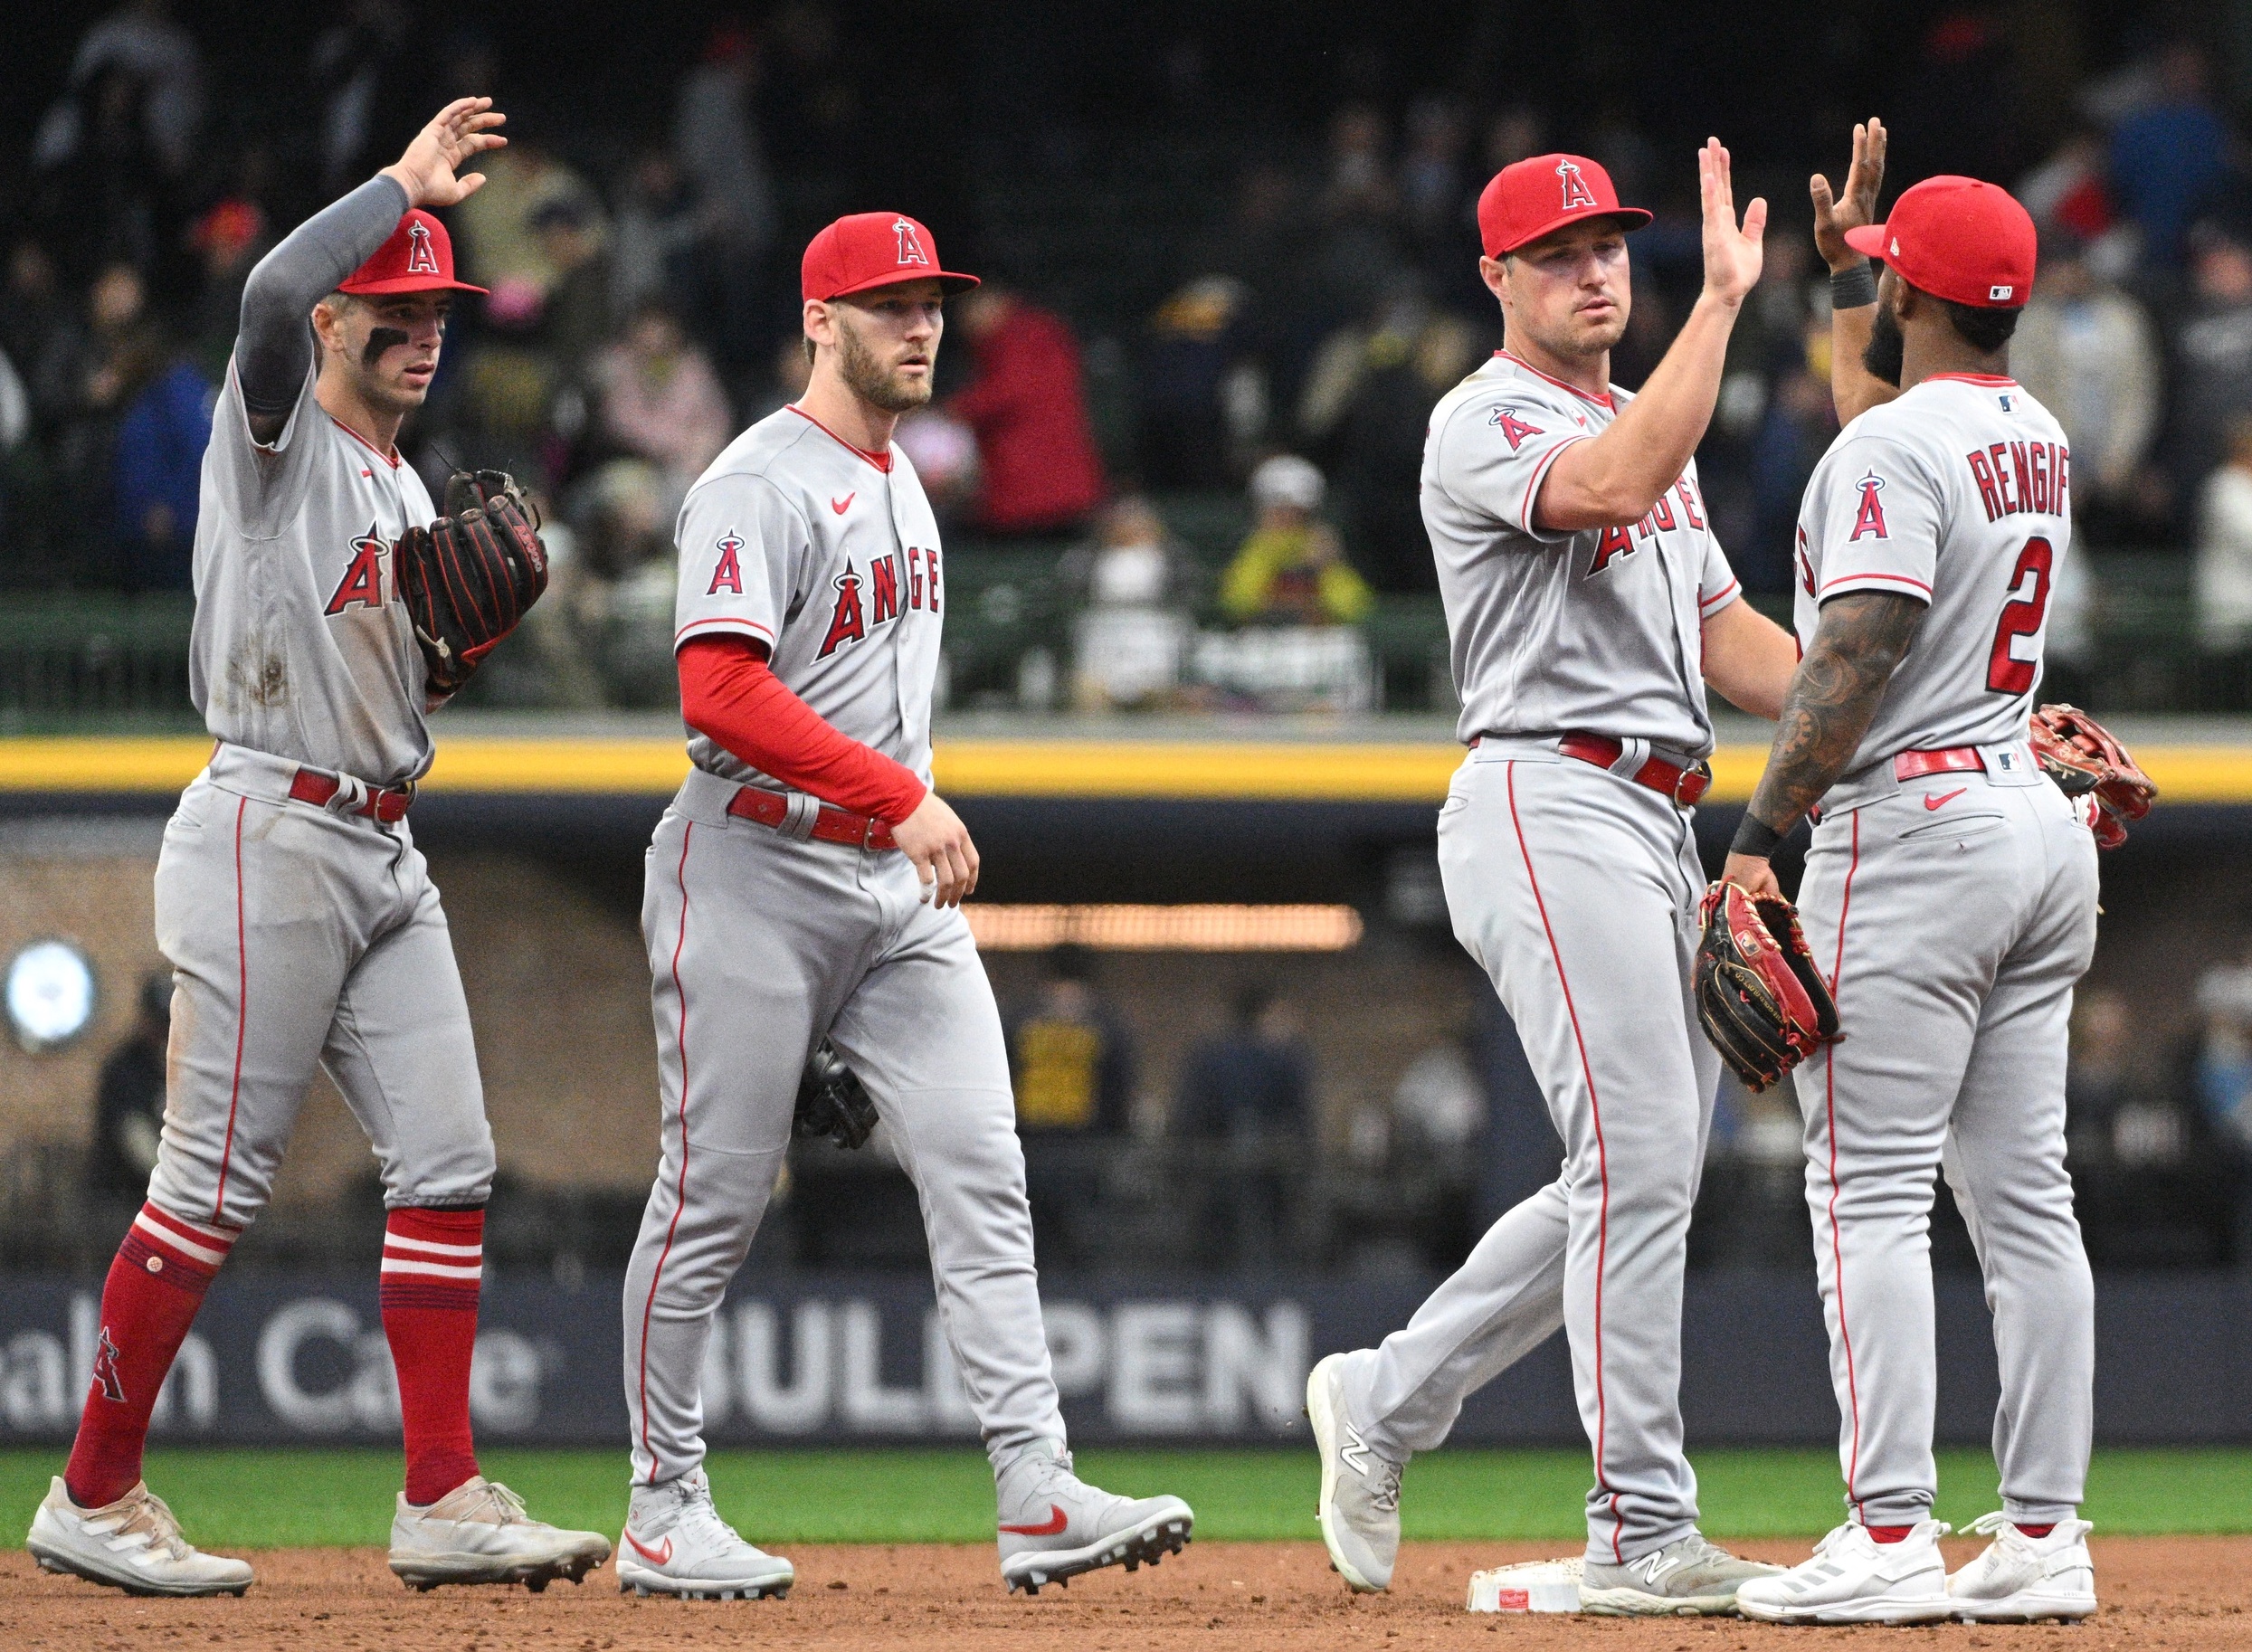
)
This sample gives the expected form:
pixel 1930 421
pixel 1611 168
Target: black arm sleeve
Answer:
pixel 276 343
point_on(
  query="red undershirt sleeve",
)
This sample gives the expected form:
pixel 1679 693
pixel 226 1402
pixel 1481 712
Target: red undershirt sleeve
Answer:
pixel 729 695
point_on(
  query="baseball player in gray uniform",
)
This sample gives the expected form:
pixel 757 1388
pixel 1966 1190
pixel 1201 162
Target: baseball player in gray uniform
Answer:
pixel 1588 605
pixel 1950 895
pixel 806 883
pixel 299 919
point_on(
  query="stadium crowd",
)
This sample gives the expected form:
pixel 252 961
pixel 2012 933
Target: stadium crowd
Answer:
pixel 642 310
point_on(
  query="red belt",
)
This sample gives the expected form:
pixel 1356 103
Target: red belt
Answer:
pixel 1912 765
pixel 1683 786
pixel 384 804
pixel 831 825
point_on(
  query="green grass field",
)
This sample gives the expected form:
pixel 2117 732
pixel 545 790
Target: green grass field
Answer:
pixel 265 1499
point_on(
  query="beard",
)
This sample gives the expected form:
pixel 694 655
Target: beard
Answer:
pixel 871 380
pixel 1888 348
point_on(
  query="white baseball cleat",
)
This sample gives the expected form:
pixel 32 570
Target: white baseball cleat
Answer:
pixel 134 1544
pixel 1852 1578
pixel 2019 1579
pixel 478 1532
pixel 1359 1510
pixel 1054 1525
pixel 675 1544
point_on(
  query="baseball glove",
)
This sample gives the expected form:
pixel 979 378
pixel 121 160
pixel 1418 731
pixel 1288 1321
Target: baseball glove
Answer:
pixel 1762 1002
pixel 833 1101
pixel 470 576
pixel 2080 755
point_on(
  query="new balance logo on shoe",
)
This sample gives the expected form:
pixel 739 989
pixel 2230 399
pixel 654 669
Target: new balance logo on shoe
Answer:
pixel 1653 1566
pixel 1353 1453
pixel 1057 1521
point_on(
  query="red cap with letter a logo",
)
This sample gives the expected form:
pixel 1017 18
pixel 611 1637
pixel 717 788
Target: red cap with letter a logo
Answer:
pixel 417 258
pixel 869 250
pixel 1957 238
pixel 1526 201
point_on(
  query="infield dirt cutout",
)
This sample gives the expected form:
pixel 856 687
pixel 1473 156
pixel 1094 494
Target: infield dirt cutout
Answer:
pixel 2162 1594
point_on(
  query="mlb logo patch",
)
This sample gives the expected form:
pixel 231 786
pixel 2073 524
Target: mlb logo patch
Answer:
pixel 2000 293
pixel 2007 404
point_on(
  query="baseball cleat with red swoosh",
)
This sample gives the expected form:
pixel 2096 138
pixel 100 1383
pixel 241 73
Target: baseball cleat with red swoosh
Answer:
pixel 1054 1525
pixel 675 1544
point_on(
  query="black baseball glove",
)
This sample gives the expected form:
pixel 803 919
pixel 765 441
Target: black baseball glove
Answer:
pixel 1761 1000
pixel 470 576
pixel 833 1101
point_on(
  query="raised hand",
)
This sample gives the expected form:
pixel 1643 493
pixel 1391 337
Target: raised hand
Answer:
pixel 1733 255
pixel 1833 215
pixel 429 170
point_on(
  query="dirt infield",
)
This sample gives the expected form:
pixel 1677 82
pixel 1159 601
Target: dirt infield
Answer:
pixel 2161 1595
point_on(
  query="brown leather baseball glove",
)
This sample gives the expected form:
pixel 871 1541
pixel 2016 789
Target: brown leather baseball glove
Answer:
pixel 1759 997
pixel 2079 754
pixel 470 576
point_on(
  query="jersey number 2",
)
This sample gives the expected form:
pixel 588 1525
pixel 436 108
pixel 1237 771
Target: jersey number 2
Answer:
pixel 2022 616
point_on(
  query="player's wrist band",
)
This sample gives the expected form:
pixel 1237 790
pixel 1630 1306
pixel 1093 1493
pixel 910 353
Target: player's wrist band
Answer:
pixel 1755 837
pixel 1851 289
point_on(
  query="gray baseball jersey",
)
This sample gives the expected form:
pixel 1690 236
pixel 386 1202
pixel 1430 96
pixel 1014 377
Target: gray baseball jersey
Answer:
pixel 761 943
pixel 1976 461
pixel 1599 629
pixel 1955 912
pixel 829 555
pixel 301 647
pixel 1576 889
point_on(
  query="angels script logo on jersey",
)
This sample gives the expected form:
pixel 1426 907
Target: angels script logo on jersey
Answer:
pixel 1512 427
pixel 896 584
pixel 421 260
pixel 363 584
pixel 1575 190
pixel 1870 518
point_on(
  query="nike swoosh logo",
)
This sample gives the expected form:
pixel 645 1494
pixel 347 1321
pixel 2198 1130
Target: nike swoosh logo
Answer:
pixel 1056 1523
pixel 656 1557
pixel 844 504
pixel 1941 802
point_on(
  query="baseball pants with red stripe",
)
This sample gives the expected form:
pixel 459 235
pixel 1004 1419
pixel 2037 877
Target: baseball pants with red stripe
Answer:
pixel 759 944
pixel 1576 890
pixel 1956 930
pixel 299 939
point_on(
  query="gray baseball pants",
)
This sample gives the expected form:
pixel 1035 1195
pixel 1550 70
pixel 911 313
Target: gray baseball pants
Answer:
pixel 759 944
pixel 1576 890
pixel 1955 927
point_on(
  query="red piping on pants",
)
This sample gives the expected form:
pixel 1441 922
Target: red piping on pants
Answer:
pixel 681 1190
pixel 1602 1163
pixel 1837 1250
pixel 242 1014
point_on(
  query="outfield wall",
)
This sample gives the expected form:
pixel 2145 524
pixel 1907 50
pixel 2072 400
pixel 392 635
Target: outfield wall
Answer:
pixel 828 1360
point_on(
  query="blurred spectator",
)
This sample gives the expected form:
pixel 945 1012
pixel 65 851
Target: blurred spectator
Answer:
pixel 2067 193
pixel 1800 422
pixel 128 1099
pixel 578 316
pixel 2224 1060
pixel 1432 178
pixel 2212 360
pixel 159 465
pixel 1129 641
pixel 2167 153
pixel 1254 1083
pixel 137 59
pixel 657 229
pixel 40 331
pixel 616 587
pixel 1196 344
pixel 1292 568
pixel 2084 350
pixel 2224 548
pixel 942 449
pixel 367 81
pixel 498 223
pixel 1262 246
pixel 1070 1055
pixel 230 239
pixel 715 132
pixel 119 353
pixel 1357 250
pixel 1028 405
pixel 661 400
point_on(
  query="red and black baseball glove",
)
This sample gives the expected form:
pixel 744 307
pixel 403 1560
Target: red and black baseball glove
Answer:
pixel 1760 1000
pixel 471 576
pixel 2079 754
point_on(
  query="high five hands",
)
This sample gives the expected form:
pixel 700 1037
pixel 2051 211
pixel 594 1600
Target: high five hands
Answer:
pixel 428 171
pixel 1733 255
pixel 1834 215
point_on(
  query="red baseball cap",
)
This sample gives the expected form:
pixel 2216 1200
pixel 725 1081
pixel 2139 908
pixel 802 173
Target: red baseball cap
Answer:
pixel 1524 202
pixel 417 258
pixel 1957 238
pixel 868 250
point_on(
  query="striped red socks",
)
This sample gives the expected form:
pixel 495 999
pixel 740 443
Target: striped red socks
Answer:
pixel 156 1284
pixel 432 1263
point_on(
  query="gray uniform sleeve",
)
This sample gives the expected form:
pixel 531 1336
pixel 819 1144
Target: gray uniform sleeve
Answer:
pixel 275 346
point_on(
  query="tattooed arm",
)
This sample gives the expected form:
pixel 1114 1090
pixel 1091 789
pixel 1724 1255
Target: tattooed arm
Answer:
pixel 1858 644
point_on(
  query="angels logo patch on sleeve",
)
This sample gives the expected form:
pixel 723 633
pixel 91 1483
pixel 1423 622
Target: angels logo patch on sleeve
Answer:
pixel 1870 517
pixel 1515 429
